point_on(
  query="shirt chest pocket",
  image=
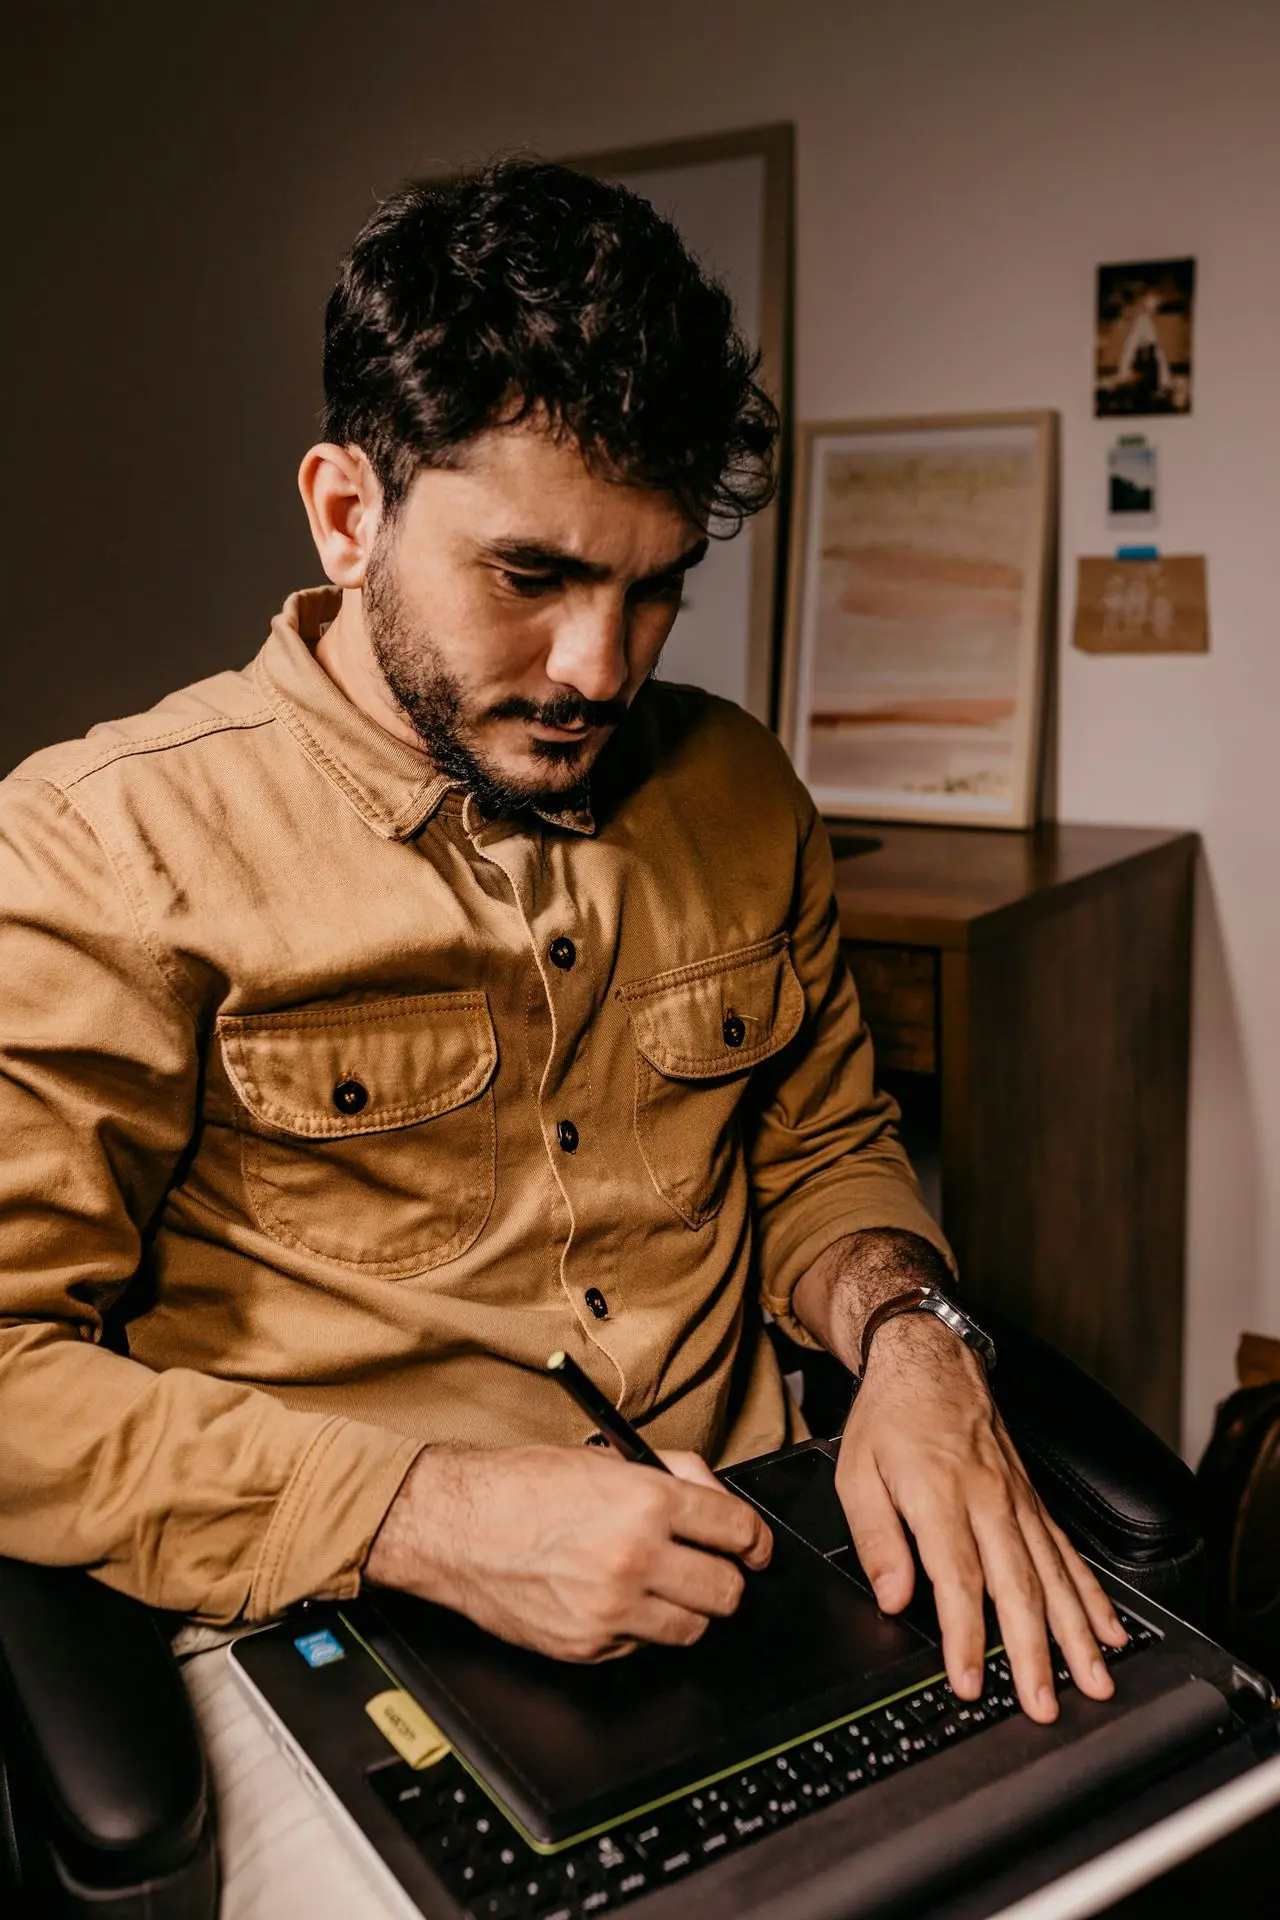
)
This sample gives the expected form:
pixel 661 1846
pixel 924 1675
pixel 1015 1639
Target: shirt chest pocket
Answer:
pixel 698 1031
pixel 367 1133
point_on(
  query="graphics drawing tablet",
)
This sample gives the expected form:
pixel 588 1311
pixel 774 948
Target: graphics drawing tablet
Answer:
pixel 568 1748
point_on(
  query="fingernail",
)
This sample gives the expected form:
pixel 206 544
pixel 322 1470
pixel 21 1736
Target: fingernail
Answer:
pixel 971 1680
pixel 1047 1701
pixel 1101 1677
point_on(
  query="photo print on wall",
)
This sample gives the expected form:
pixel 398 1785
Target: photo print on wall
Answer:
pixel 1143 362
pixel 1132 498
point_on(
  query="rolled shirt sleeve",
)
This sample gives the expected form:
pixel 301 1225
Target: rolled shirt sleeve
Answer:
pixel 192 1493
pixel 823 1149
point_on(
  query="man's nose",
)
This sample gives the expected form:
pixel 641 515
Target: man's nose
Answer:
pixel 589 652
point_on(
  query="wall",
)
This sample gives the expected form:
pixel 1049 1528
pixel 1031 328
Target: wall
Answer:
pixel 176 205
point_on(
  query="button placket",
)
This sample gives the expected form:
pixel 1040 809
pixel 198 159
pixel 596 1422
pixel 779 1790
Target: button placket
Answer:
pixel 568 994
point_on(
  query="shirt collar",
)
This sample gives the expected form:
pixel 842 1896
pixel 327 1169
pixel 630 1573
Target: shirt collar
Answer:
pixel 394 787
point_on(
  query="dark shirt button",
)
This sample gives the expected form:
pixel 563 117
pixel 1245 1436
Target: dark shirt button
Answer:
pixel 567 1134
pixel 597 1303
pixel 350 1097
pixel 733 1030
pixel 563 953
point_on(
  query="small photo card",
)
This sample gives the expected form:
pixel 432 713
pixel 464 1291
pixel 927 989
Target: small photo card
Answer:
pixel 1132 499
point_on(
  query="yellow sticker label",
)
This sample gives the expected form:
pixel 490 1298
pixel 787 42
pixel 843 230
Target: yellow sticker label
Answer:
pixel 413 1733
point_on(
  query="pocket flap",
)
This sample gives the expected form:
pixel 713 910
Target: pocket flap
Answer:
pixel 717 1016
pixel 338 1071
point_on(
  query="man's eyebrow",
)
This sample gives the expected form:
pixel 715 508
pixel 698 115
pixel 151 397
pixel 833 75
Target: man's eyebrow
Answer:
pixel 691 557
pixel 538 556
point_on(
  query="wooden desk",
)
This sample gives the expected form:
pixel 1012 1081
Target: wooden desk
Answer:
pixel 1029 995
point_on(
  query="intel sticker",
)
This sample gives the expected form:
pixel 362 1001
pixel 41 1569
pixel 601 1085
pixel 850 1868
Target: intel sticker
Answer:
pixel 320 1649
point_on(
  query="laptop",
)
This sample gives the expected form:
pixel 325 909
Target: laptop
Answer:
pixel 806 1759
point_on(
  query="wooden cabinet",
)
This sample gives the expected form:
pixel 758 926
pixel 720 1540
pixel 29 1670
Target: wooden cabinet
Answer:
pixel 1029 996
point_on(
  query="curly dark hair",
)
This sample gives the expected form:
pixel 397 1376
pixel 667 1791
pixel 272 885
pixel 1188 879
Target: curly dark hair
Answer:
pixel 477 300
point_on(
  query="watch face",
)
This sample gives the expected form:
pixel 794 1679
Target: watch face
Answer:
pixel 929 1299
pixel 960 1324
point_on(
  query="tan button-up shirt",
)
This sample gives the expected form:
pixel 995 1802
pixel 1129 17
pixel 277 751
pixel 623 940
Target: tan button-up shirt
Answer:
pixel 312 1149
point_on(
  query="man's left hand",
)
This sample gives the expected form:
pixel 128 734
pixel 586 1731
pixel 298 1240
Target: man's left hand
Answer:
pixel 925 1445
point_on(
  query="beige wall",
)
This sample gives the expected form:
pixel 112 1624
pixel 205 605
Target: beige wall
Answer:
pixel 176 205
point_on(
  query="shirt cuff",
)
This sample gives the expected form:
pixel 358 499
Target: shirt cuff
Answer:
pixel 834 1208
pixel 325 1520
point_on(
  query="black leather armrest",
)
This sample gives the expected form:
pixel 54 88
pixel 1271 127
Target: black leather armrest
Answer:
pixel 102 1749
pixel 1120 1493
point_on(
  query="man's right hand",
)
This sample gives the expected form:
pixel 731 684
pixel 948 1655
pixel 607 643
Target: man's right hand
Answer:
pixel 571 1552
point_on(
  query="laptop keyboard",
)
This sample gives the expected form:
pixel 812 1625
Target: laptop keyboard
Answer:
pixel 494 1875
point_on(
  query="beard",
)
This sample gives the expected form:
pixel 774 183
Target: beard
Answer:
pixel 435 703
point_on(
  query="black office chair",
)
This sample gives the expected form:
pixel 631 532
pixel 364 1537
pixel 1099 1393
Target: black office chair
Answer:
pixel 104 1799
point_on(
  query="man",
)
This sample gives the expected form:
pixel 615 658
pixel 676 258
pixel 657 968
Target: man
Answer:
pixel 440 991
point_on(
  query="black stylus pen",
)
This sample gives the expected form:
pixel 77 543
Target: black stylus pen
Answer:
pixel 613 1425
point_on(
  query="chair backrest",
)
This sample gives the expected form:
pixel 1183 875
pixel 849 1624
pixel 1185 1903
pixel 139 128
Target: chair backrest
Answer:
pixel 1240 1484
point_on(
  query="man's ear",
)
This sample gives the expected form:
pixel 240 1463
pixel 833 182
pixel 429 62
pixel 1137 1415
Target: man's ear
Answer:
pixel 344 506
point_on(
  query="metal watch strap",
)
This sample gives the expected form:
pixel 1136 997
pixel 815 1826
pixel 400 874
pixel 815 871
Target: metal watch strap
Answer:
pixel 927 1300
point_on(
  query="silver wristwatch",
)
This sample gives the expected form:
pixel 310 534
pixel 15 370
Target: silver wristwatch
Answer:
pixel 929 1300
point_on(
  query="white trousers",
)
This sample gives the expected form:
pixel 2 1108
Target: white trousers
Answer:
pixel 282 1859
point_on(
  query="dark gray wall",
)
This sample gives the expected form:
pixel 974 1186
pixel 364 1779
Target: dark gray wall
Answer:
pixel 178 191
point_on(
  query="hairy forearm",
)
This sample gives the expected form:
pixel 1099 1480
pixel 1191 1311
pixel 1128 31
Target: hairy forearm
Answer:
pixel 849 1281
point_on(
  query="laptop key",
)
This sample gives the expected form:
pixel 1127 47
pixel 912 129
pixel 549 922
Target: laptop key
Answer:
pixel 666 1833
pixel 743 1793
pixel 925 1705
pixel 715 1810
pixel 501 1904
pixel 560 1886
pixel 474 1876
pixel 481 1827
pixel 442 1845
pixel 535 1891
pixel 597 1898
pixel 746 1825
pixel 644 1838
pixel 630 1884
pixel 670 1865
pixel 457 1796
pixel 612 1859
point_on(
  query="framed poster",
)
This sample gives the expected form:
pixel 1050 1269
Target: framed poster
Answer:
pixel 730 197
pixel 914 668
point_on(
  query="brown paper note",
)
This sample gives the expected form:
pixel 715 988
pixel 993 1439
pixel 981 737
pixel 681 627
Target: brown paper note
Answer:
pixel 1142 606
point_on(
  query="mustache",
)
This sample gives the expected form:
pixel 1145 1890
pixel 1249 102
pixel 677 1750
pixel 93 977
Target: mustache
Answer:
pixel 566 710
